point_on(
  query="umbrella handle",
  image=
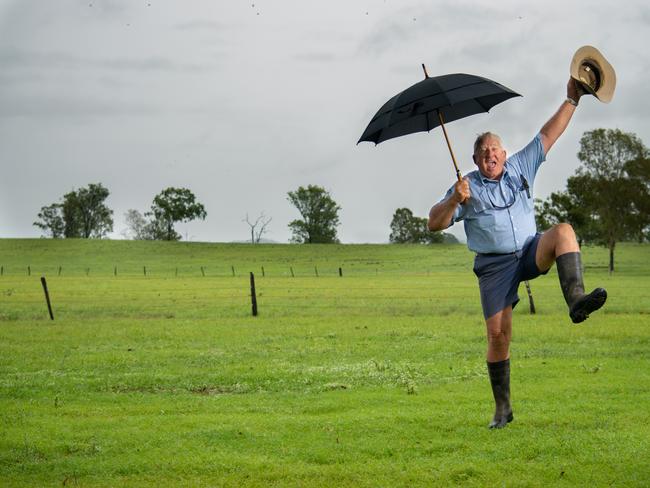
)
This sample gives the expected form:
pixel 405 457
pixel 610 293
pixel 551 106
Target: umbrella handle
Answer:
pixel 453 158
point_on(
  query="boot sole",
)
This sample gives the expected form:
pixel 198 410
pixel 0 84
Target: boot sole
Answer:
pixel 501 424
pixel 587 304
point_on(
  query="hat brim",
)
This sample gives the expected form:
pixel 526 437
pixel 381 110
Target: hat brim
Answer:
pixel 590 54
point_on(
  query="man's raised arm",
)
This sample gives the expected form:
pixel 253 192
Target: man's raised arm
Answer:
pixel 556 125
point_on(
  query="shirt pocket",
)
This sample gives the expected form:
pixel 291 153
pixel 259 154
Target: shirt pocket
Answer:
pixel 527 203
pixel 479 205
pixel 483 214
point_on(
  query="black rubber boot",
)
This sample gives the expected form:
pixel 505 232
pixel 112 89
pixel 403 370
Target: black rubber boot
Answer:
pixel 500 381
pixel 569 268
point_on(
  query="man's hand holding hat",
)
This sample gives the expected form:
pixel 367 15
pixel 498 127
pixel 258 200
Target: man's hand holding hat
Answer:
pixel 593 73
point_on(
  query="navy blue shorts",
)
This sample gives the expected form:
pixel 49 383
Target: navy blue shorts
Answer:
pixel 499 276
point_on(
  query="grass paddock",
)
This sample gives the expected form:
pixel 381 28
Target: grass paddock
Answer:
pixel 154 372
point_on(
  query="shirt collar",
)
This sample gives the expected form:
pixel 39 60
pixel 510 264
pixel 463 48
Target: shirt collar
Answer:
pixel 484 179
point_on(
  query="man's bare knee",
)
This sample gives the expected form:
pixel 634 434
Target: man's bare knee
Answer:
pixel 560 239
pixel 497 338
pixel 564 232
pixel 565 239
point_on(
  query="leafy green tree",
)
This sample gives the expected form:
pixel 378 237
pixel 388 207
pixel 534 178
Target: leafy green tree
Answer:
pixel 319 215
pixel 638 171
pixel 407 228
pixel 566 207
pixel 449 238
pixel 85 214
pixel 606 186
pixel 607 199
pixel 170 206
pixel 604 153
pixel 51 220
pixel 82 213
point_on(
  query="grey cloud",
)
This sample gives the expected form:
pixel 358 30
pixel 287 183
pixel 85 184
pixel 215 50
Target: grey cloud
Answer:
pixel 45 60
pixel 315 57
pixel 143 64
pixel 627 104
pixel 386 34
pixel 200 25
pixel 109 7
pixel 447 23
pixel 68 106
pixel 22 17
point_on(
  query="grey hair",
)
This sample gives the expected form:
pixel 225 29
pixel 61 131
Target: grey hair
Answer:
pixel 481 137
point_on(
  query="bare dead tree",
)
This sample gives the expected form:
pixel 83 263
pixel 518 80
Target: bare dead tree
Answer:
pixel 258 228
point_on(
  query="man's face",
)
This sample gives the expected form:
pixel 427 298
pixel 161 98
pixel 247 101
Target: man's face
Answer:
pixel 490 158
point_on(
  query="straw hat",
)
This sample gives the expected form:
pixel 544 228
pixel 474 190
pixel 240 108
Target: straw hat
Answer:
pixel 590 68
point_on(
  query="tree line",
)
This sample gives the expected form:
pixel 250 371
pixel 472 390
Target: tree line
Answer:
pixel 606 201
pixel 83 213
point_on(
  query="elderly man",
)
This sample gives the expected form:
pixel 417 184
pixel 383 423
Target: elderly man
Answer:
pixel 496 204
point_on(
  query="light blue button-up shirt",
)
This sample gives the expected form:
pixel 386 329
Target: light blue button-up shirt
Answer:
pixel 500 214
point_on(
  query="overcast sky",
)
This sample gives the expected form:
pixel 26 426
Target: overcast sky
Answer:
pixel 243 101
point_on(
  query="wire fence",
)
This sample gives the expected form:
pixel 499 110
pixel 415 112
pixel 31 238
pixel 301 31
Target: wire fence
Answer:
pixel 195 296
pixel 211 298
pixel 299 270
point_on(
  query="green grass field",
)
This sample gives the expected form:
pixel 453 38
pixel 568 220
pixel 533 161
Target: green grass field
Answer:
pixel 155 373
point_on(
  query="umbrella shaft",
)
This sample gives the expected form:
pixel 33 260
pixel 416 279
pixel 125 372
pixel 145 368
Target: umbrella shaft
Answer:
pixel 451 151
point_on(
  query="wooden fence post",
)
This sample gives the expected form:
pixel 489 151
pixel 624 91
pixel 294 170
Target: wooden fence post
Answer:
pixel 47 297
pixel 316 271
pixel 233 270
pixel 341 272
pixel 202 271
pixel 292 275
pixel 263 275
pixel 60 269
pixel 530 298
pixel 253 296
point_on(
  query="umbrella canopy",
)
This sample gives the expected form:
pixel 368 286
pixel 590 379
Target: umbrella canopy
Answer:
pixel 433 101
pixel 416 109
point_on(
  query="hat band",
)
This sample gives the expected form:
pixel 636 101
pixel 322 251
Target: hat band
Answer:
pixel 589 74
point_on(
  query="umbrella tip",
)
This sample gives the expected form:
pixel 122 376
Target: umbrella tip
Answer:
pixel 426 75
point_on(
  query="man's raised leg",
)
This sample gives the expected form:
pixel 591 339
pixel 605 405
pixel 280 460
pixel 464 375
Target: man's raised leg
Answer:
pixel 559 244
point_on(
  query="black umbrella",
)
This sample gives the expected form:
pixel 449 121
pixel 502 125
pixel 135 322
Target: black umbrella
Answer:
pixel 433 101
